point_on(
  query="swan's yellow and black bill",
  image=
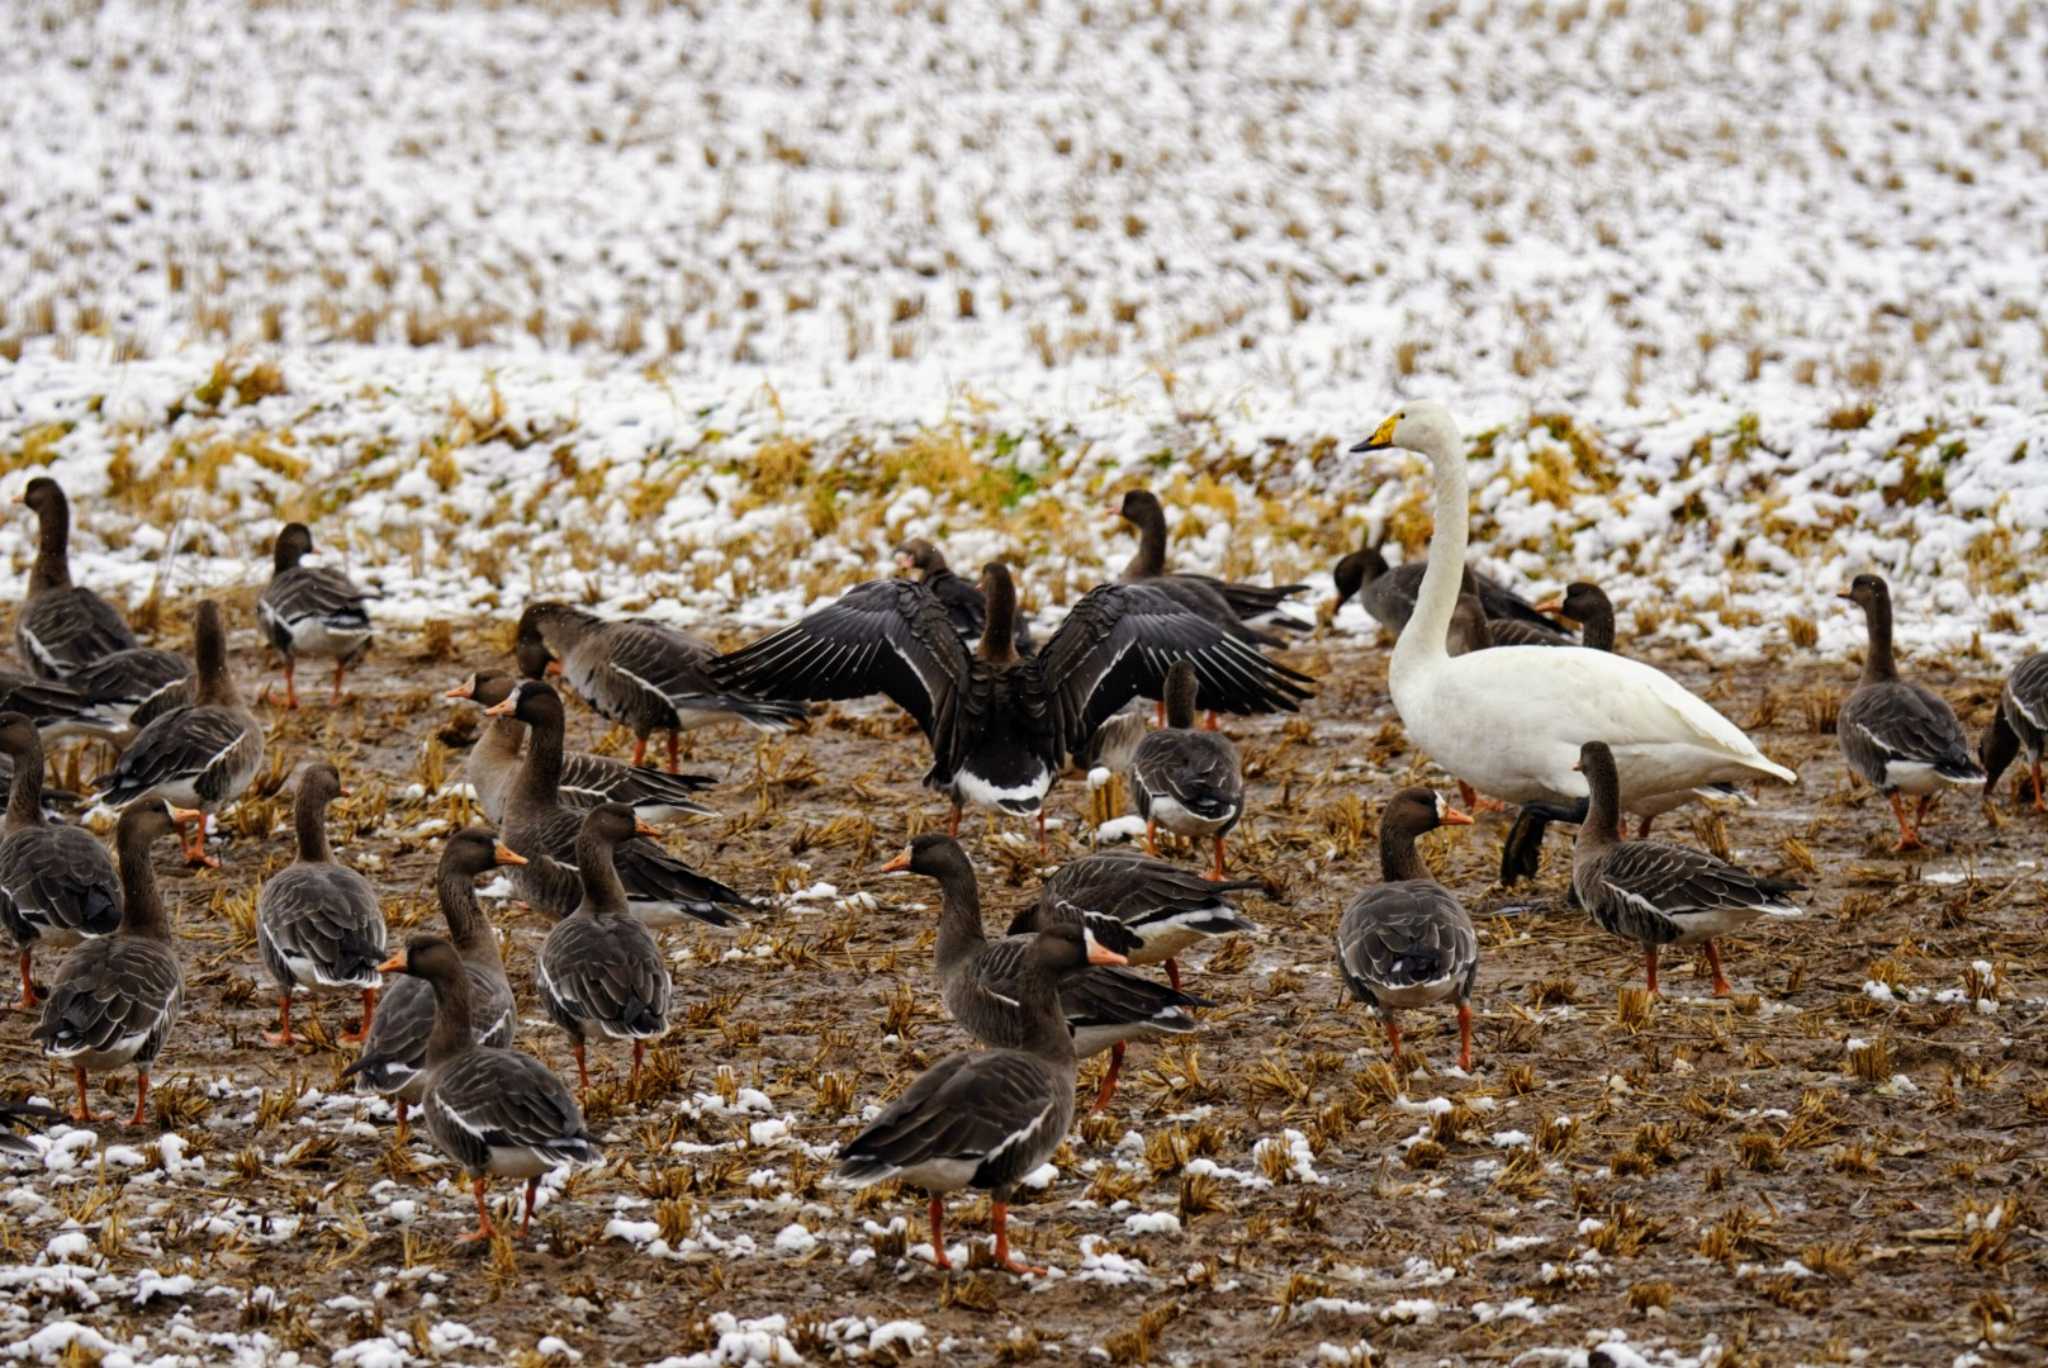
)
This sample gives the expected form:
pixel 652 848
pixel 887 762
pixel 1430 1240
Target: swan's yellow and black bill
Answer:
pixel 506 855
pixel 1382 436
pixel 899 864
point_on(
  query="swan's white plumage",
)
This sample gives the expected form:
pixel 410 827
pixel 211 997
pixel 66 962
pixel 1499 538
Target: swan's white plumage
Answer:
pixel 1510 721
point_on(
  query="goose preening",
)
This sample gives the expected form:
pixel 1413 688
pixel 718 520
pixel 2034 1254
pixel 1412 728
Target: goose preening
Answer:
pixel 499 1113
pixel 202 756
pixel 394 1057
pixel 1187 781
pixel 985 1119
pixel 61 626
pixel 1407 941
pixel 643 675
pixel 492 766
pixel 1262 605
pixel 964 601
pixel 2020 723
pixel 1389 592
pixel 981 981
pixel 57 884
pixel 312 610
pixel 1587 604
pixel 660 889
pixel 1510 721
pixel 116 998
pixel 137 686
pixel 1896 735
pixel 1000 726
pixel 600 969
pixel 318 923
pixel 1657 894
pixel 1146 910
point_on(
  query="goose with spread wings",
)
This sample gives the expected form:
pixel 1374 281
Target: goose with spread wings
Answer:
pixel 1001 726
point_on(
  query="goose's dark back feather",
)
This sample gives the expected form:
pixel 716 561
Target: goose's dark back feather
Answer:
pixel 1404 935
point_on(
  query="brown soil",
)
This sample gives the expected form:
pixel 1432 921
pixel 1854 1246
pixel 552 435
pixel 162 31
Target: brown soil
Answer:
pixel 1709 1142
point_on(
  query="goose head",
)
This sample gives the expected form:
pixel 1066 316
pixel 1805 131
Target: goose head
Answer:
pixel 1867 592
pixel 1424 427
pixel 933 856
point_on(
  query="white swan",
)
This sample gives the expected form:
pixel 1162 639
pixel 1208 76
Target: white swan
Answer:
pixel 1510 721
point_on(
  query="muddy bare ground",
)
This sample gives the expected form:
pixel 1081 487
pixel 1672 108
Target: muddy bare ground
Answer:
pixel 1727 1176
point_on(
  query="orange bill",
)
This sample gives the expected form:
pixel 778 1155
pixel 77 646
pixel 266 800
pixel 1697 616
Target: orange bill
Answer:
pixel 506 855
pixel 899 864
pixel 394 965
pixel 466 689
pixel 1455 817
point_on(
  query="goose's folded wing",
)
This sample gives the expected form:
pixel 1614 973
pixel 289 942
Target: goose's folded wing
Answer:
pixel 189 744
pixel 316 593
pixel 111 995
pixel 588 780
pixel 65 876
pixel 1911 723
pixel 509 1100
pixel 968 1107
pixel 1402 934
pixel 396 1048
pixel 608 972
pixel 132 678
pixel 1120 640
pixel 891 637
pixel 1676 881
pixel 328 917
pixel 650 872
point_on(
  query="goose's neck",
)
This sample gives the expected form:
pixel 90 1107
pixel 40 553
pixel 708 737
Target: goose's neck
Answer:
pixel 540 779
pixel 1597 631
pixel 960 928
pixel 1150 560
pixel 1602 826
pixel 499 743
pixel 1422 641
pixel 1400 862
pixel 1046 1033
pixel 52 569
pixel 999 624
pixel 468 931
pixel 25 798
pixel 309 820
pixel 451 1035
pixel 1878 665
pixel 142 906
pixel 604 894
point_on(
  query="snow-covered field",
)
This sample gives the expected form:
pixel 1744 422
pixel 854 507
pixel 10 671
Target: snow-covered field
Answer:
pixel 703 308
pixel 699 310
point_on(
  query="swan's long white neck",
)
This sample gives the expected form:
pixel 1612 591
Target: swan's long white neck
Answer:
pixel 1422 641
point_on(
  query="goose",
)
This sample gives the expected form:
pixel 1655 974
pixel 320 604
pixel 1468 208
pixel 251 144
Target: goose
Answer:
pixel 138 686
pixel 116 998
pixel 1471 630
pixel 985 1119
pixel 499 1113
pixel 58 886
pixel 492 766
pixel 1389 592
pixel 1188 781
pixel 964 602
pixel 2020 723
pixel 62 626
pixel 1408 941
pixel 599 968
pixel 1146 910
pixel 980 980
pixel 1000 727
pixel 318 924
pixel 394 1057
pixel 1658 894
pixel 312 610
pixel 1253 604
pixel 203 756
pixel 1896 735
pixel 1510 721
pixel 640 674
pixel 1587 604
pixel 660 889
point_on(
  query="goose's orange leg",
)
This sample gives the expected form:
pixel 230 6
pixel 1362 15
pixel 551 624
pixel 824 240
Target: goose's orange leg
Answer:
pixel 1003 1256
pixel 938 1215
pixel 484 1229
pixel 1108 1089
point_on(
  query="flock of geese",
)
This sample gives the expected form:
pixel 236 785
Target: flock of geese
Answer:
pixel 1492 688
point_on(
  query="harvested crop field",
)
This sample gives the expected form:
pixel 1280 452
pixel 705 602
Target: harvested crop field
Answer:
pixel 1841 1162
